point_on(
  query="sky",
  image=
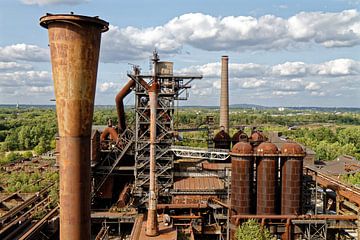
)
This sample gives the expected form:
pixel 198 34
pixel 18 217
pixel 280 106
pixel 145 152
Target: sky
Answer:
pixel 281 53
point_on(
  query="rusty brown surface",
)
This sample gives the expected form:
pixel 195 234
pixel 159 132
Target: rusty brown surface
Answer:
pixel 182 206
pixel 241 184
pixel 266 148
pixel 124 197
pixel 222 140
pixel 239 136
pixel 242 148
pixel 152 228
pixel 106 190
pixel 190 199
pixel 266 185
pixel 95 146
pixel 74 48
pixel 289 148
pixel 291 185
pixel 120 104
pixel 165 232
pixel 224 94
pixel 215 166
pixel 199 183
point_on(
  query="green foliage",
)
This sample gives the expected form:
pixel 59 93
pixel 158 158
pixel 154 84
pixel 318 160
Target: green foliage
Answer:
pixel 250 230
pixel 27 154
pixel 329 143
pixel 10 157
pixel 353 179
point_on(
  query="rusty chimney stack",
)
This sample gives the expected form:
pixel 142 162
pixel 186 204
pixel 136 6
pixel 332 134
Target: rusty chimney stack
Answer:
pixel 152 227
pixel 74 46
pixel 224 94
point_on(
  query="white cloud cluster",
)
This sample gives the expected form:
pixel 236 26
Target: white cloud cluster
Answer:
pixel 53 2
pixel 7 66
pixel 281 80
pixel 234 33
pixel 24 52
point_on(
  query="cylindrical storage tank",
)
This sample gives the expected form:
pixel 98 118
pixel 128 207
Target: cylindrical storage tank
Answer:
pixel 292 156
pixel 241 178
pixel 222 140
pixel 266 177
pixel 239 136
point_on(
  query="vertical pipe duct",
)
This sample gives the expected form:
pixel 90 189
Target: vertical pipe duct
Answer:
pixel 152 228
pixel 74 47
pixel 224 94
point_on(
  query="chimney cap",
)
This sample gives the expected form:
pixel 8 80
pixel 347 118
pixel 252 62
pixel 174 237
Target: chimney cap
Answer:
pixel 224 56
pixel 50 18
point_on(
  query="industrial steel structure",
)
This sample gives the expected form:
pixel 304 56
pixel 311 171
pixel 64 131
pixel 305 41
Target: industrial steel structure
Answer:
pixel 129 180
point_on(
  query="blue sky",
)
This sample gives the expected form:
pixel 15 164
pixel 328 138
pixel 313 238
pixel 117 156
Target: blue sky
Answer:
pixel 282 53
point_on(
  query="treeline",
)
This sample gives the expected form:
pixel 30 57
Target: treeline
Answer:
pixel 27 129
pixel 34 129
pixel 329 143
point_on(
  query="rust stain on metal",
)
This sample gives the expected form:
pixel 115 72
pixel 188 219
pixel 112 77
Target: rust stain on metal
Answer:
pixel 266 199
pixel 241 178
pixel 291 178
pixel 74 46
pixel 198 183
pixel 222 140
pixel 152 228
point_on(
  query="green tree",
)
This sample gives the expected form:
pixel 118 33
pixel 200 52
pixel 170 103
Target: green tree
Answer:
pixel 250 230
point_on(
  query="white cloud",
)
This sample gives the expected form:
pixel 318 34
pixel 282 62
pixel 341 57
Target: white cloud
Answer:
pixel 53 2
pixel 312 86
pixel 338 67
pixel 109 87
pixel 253 83
pixel 25 78
pixel 284 93
pixel 46 89
pixel 6 66
pixel 289 69
pixel 24 52
pixel 233 33
pixel 288 80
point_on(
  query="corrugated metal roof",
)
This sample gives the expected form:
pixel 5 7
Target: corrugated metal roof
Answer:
pixel 199 183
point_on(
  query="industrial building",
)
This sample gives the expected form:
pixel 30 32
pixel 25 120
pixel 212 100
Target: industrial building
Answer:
pixel 130 181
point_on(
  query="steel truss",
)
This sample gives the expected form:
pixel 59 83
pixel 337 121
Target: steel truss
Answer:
pixel 171 88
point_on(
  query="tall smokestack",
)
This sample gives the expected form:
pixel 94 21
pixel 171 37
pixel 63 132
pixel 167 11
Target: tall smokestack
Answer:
pixel 224 95
pixel 74 47
pixel 152 227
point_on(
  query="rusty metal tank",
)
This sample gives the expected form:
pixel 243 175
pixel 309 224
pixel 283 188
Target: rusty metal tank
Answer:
pixel 257 138
pixel 239 136
pixel 292 155
pixel 74 42
pixel 242 178
pixel 266 178
pixel 222 140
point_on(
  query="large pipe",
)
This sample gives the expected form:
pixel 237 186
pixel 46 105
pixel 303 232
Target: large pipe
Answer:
pixel 120 104
pixel 152 228
pixel 119 99
pixel 224 94
pixel 74 47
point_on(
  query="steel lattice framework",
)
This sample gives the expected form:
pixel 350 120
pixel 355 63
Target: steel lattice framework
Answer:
pixel 172 88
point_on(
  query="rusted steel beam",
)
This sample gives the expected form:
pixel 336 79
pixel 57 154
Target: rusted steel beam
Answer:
pixel 182 206
pixel 74 42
